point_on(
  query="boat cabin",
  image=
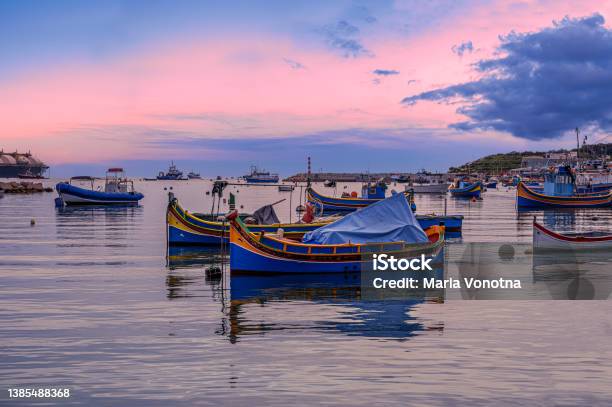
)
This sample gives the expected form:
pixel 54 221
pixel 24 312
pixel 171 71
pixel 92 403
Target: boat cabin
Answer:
pixel 374 190
pixel 560 181
pixel 116 181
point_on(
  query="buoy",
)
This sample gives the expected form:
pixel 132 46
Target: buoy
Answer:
pixel 473 199
pixel 165 189
pixel 170 188
pixel 32 222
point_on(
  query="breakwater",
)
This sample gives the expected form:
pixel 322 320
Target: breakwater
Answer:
pixel 23 187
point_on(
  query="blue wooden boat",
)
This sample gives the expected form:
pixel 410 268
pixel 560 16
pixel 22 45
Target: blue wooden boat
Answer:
pixel 118 190
pixel 466 189
pixel 195 229
pixel 370 193
pixel 270 253
pixel 189 229
pixel 560 191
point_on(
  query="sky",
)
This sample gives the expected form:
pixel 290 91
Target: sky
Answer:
pixel 358 86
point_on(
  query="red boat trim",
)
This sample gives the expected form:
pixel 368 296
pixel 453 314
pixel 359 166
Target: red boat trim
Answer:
pixel 577 239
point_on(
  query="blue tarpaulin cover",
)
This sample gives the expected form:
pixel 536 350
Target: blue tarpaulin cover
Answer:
pixel 389 220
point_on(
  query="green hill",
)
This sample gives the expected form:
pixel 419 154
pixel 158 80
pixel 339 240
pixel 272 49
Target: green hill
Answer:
pixel 497 163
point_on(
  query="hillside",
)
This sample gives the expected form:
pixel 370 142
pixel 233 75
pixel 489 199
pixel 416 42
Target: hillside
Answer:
pixel 497 163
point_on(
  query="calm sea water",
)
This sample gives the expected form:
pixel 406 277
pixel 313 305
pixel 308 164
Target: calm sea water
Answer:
pixel 89 301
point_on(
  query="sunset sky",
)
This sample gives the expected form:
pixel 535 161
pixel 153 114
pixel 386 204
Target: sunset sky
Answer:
pixel 378 86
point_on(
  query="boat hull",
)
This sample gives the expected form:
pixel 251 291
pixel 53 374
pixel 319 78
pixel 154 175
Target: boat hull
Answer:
pixel 470 191
pixel 527 198
pixel 247 256
pixel 328 204
pixel 429 188
pixel 545 239
pixel 185 229
pixel 72 195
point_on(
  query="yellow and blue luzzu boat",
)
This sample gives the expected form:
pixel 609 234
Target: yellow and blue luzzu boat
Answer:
pixel 560 191
pixel 464 189
pixel 193 229
pixel 527 198
pixel 370 194
pixel 274 253
pixel 185 228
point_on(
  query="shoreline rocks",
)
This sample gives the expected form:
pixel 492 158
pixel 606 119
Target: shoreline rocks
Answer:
pixel 23 187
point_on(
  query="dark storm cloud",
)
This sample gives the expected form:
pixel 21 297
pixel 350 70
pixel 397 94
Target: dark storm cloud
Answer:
pixel 543 84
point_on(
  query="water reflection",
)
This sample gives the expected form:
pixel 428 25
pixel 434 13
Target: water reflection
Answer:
pixel 261 304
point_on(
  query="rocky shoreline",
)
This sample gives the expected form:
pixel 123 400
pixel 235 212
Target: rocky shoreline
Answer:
pixel 23 187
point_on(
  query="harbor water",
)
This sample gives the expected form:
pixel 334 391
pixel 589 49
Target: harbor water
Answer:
pixel 91 301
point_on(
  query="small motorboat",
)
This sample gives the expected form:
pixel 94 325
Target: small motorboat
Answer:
pixel 546 239
pixel 194 175
pixel 118 190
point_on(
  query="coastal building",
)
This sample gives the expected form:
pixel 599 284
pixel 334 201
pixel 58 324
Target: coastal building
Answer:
pixel 13 165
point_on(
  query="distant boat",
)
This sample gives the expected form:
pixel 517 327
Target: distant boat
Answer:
pixel 118 190
pixel 546 239
pixel 257 176
pixel 559 191
pixel 432 188
pixel 285 188
pixel 329 183
pixel 172 174
pixel 194 175
pixel 28 174
pixel 466 189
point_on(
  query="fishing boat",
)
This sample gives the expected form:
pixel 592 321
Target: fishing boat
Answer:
pixel 118 190
pixel 387 226
pixel 370 193
pixel 431 188
pixel 546 239
pixel 197 229
pixel 194 175
pixel 559 191
pixel 492 183
pixel 465 189
pixel 259 176
pixel 172 174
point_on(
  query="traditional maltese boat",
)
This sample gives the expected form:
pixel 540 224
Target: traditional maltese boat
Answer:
pixel 546 239
pixel 560 192
pixel 370 193
pixel 118 190
pixel 196 229
pixel 466 189
pixel 387 226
